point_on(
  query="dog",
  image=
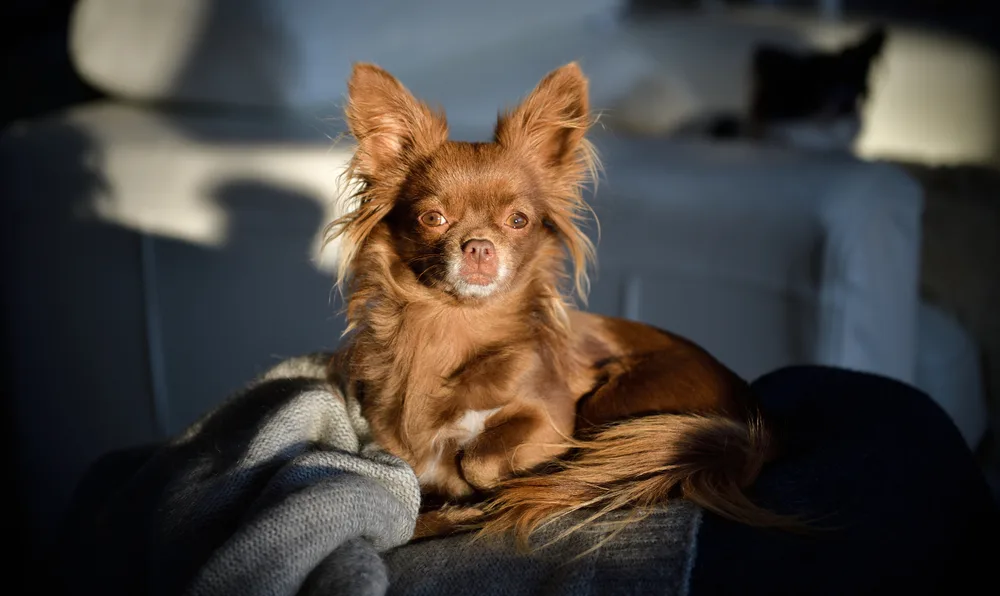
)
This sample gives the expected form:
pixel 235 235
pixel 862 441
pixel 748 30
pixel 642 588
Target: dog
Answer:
pixel 459 262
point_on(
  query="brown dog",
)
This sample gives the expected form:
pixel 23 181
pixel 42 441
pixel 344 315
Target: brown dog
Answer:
pixel 471 363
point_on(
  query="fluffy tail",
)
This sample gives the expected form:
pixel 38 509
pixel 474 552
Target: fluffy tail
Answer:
pixel 641 463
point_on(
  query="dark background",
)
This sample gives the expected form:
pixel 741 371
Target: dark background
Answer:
pixel 37 75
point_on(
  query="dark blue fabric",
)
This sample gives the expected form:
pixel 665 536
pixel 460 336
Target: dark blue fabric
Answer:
pixel 880 460
pixel 888 473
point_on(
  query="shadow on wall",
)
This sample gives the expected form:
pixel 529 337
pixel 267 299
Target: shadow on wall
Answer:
pixel 115 338
pixel 234 33
pixel 230 312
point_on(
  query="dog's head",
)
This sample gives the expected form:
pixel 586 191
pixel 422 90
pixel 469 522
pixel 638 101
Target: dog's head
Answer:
pixel 472 220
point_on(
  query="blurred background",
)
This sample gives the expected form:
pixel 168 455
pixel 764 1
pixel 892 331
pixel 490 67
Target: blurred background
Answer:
pixel 167 169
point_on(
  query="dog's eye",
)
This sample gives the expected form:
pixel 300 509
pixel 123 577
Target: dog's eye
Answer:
pixel 517 221
pixel 433 219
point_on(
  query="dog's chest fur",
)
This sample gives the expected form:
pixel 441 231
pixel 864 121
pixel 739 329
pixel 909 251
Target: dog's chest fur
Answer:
pixel 459 433
pixel 433 374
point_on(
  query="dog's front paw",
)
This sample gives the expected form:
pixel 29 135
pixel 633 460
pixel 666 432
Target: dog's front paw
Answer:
pixel 484 471
pixel 448 520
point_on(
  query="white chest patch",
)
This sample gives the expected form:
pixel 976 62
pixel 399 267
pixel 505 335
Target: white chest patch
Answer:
pixel 463 431
pixel 471 425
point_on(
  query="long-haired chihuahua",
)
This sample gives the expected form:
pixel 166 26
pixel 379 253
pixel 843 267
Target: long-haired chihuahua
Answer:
pixel 459 260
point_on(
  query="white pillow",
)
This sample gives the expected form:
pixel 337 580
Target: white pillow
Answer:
pixel 285 53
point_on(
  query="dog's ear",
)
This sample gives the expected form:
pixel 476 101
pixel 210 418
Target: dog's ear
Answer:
pixel 552 121
pixel 551 125
pixel 392 130
pixel 389 124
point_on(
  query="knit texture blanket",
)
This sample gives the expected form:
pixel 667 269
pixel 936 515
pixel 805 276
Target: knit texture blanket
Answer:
pixel 281 491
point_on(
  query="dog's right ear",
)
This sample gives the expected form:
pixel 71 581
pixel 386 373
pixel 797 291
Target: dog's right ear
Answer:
pixel 392 130
pixel 389 124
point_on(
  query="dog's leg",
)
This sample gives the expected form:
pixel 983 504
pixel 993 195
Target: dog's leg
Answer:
pixel 439 473
pixel 517 438
pixel 449 519
pixel 662 382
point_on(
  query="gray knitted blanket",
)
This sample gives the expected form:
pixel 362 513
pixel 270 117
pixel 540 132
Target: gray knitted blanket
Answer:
pixel 281 491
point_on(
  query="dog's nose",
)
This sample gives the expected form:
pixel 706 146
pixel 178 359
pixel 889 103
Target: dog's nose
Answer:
pixel 479 250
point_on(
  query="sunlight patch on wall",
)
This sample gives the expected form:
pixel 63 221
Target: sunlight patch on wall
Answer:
pixel 943 103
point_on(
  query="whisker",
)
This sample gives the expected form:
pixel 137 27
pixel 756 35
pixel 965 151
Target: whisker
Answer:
pixel 433 267
pixel 419 258
pixel 417 241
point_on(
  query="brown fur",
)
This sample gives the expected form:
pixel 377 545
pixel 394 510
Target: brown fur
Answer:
pixel 454 264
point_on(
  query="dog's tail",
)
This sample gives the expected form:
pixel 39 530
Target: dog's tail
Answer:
pixel 641 463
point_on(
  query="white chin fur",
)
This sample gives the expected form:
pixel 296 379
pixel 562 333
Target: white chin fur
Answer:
pixel 474 290
pixel 467 290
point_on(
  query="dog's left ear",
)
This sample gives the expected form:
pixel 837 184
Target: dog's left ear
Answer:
pixel 551 125
pixel 552 121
